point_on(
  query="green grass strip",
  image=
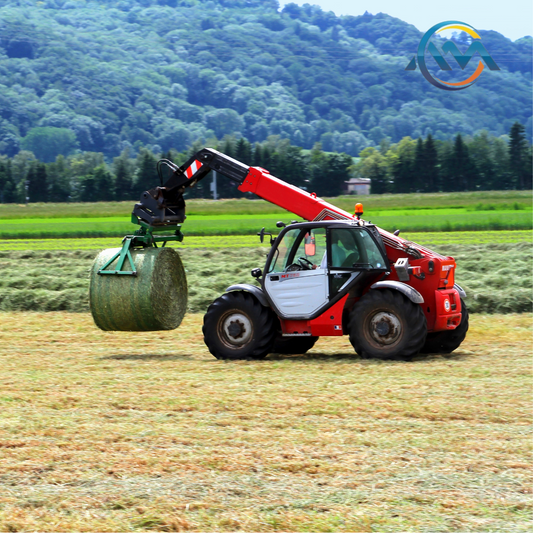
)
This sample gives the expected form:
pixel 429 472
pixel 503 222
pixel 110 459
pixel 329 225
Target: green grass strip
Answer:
pixel 200 225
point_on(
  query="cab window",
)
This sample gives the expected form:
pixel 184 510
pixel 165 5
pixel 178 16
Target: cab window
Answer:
pixel 354 247
pixel 300 249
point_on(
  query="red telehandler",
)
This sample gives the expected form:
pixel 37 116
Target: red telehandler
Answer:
pixel 333 274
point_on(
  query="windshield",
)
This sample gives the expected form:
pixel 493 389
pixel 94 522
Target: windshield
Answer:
pixel 305 245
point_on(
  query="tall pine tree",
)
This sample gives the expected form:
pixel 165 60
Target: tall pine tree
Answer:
pixel 431 166
pixel 418 179
pixel 461 169
pixel 10 191
pixel 123 182
pixel 243 151
pixel 3 180
pixel 37 183
pixel 146 173
pixel 58 174
pixel 519 157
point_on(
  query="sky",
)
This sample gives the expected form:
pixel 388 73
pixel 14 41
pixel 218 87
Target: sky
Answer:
pixel 512 18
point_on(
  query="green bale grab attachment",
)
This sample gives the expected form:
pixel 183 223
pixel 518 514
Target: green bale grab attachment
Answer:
pixel 139 287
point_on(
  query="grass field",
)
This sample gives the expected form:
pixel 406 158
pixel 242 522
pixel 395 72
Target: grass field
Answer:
pixel 472 201
pixel 438 239
pixel 135 432
pixel 496 275
pixel 147 432
pixel 488 211
pixel 201 225
pixel 210 242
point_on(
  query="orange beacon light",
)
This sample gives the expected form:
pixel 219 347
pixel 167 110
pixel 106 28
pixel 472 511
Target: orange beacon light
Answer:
pixel 358 210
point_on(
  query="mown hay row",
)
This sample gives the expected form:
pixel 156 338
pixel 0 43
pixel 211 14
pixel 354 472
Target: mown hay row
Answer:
pixel 497 277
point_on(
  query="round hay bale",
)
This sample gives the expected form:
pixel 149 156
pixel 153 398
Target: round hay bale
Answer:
pixel 155 299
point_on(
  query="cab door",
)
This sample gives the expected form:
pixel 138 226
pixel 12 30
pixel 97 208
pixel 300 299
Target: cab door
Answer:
pixel 354 254
pixel 297 281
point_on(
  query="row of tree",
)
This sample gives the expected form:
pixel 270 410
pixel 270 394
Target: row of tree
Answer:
pixel 86 177
pixel 482 162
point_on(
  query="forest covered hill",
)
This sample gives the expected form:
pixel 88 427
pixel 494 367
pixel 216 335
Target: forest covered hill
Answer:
pixel 104 75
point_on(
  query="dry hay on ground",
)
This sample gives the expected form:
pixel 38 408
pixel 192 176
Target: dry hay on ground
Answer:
pixel 120 431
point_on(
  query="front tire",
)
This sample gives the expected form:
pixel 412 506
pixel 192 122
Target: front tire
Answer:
pixel 448 341
pixel 293 345
pixel 237 326
pixel 384 324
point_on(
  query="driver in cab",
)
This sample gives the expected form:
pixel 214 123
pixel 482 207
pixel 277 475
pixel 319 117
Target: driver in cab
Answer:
pixel 343 250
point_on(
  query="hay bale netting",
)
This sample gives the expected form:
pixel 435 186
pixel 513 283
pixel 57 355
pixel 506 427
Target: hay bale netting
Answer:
pixel 155 299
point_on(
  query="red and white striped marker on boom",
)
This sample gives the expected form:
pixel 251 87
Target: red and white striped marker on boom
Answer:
pixel 196 165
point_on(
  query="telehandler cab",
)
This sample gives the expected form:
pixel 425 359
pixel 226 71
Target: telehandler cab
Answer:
pixel 333 274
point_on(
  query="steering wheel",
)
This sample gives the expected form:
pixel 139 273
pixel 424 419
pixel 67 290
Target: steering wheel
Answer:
pixel 305 263
pixel 293 267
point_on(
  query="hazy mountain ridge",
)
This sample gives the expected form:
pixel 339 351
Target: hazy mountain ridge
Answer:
pixel 163 74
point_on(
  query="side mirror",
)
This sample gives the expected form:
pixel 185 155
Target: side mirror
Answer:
pixel 256 273
pixel 262 234
pixel 310 246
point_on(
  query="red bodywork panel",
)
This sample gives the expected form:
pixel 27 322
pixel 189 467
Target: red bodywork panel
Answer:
pixel 328 324
pixel 301 203
pixel 435 288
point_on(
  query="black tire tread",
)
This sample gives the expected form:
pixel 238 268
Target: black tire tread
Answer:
pixel 413 315
pixel 263 324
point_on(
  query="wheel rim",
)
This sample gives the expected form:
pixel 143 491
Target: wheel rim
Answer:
pixel 235 329
pixel 384 328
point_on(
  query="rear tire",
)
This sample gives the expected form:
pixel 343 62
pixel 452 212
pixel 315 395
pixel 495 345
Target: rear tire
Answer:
pixel 448 341
pixel 237 326
pixel 384 324
pixel 293 345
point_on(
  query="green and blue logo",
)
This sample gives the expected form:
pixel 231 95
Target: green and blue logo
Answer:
pixel 450 47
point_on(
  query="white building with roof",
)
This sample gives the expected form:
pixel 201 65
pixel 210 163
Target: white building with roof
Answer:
pixel 358 186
